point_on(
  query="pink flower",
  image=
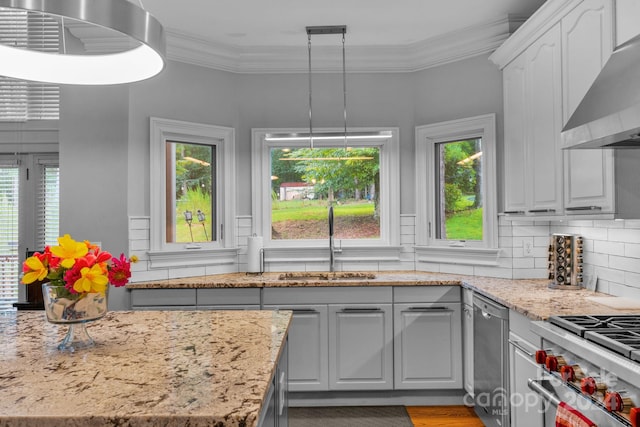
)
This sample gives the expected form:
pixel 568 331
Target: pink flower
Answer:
pixel 120 271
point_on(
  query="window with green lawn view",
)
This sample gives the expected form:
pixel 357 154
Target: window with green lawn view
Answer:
pixel 459 200
pixel 456 187
pixel 306 181
pixel 190 192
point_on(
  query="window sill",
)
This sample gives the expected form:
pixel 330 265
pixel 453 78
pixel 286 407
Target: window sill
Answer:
pixel 192 258
pixel 457 255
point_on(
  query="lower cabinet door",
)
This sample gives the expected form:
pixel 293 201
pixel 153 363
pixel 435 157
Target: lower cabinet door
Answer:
pixel 308 347
pixel 428 346
pixel 360 347
pixel 526 405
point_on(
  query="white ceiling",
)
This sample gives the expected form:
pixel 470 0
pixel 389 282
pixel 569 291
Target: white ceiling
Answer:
pixel 238 35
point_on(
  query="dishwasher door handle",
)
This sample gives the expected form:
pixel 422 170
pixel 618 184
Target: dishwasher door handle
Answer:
pixel 486 315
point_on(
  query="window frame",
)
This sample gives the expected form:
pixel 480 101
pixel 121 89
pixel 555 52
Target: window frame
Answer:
pixel 389 187
pixel 163 254
pixel 427 137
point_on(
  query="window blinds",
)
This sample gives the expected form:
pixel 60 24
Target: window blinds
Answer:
pixel 22 100
pixel 48 206
pixel 9 271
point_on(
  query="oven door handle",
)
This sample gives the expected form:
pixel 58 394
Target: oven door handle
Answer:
pixel 536 386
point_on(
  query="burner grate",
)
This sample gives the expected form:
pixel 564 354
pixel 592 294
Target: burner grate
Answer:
pixel 621 341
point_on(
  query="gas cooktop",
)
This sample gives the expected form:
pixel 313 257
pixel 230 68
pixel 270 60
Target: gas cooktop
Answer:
pixel 619 333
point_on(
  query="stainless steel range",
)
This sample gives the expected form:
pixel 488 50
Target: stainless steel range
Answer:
pixel 593 364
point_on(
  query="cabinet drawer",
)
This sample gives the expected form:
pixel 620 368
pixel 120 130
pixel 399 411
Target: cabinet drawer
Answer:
pixel 409 294
pixel 163 297
pixel 228 296
pixel 327 295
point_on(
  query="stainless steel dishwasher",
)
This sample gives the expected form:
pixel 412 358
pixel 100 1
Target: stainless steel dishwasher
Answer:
pixel 491 361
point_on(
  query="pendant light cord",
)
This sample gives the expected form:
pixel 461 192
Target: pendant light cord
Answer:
pixel 310 115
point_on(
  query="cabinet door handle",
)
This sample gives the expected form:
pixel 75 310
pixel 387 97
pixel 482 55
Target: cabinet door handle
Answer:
pixel 584 208
pixel 361 309
pixel 517 345
pixel 542 211
pixel 438 308
pixel 514 212
pixel 304 310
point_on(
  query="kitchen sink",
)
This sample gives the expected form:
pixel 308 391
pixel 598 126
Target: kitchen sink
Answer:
pixel 341 275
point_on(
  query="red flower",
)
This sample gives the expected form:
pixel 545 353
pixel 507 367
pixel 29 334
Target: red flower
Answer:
pixel 120 271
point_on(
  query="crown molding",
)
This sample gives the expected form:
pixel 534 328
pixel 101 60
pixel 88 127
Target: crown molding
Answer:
pixel 548 15
pixel 454 46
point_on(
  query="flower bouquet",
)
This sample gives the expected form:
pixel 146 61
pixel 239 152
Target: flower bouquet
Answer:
pixel 75 279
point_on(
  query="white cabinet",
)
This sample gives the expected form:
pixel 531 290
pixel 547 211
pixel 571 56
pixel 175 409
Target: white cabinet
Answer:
pixel 163 299
pixel 627 17
pixel 467 339
pixel 309 343
pixel 427 338
pixel 361 347
pixel 196 299
pixel 526 406
pixel 532 105
pixel 275 407
pixel 587 43
pixel 340 338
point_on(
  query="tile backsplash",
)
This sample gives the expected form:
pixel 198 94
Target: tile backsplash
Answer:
pixel 611 252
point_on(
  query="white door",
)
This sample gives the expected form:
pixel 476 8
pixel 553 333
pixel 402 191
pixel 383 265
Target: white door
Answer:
pixel 29 213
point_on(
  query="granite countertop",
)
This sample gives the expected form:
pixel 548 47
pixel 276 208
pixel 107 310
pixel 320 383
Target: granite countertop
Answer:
pixel 148 368
pixel 530 297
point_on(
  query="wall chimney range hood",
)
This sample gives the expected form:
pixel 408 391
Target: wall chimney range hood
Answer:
pixel 609 114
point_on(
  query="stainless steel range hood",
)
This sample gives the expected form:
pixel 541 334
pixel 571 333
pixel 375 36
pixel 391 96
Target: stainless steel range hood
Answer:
pixel 609 114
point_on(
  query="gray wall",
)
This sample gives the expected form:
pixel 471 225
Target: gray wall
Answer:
pixel 110 126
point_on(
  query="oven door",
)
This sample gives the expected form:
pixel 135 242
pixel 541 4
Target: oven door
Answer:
pixel 553 391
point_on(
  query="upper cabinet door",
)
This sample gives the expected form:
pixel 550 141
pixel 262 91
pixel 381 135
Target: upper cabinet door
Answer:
pixel 587 43
pixel 515 152
pixel 545 122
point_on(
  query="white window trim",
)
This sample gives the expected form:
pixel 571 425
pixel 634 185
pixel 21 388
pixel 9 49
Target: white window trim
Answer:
pixel 389 192
pixel 182 254
pixel 430 249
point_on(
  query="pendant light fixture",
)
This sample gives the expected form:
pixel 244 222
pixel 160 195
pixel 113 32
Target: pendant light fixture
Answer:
pixel 327 136
pixel 329 29
pixel 144 60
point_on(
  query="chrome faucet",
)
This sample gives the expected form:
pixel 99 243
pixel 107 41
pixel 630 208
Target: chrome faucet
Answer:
pixel 332 250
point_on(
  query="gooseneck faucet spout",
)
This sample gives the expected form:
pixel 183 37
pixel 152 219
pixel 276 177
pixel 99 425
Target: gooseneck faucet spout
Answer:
pixel 332 250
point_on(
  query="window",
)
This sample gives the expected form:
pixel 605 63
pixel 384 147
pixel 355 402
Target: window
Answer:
pixel 29 215
pixel 456 190
pixel 192 191
pixel 23 100
pixel 294 185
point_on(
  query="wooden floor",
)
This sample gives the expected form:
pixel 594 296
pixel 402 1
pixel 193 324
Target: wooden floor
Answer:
pixel 450 416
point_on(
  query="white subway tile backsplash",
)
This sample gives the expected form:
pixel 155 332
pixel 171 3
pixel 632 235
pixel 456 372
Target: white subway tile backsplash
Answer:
pixel 610 274
pixel 627 235
pixel 624 263
pixel 611 252
pixel 632 250
pixel 610 248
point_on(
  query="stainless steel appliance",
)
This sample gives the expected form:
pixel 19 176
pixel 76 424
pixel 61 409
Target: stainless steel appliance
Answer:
pixel 609 114
pixel 591 363
pixel 491 362
pixel 565 261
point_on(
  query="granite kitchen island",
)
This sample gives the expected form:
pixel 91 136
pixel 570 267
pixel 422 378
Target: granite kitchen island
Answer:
pixel 148 368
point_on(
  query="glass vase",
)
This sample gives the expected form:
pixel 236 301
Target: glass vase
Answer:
pixel 75 310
